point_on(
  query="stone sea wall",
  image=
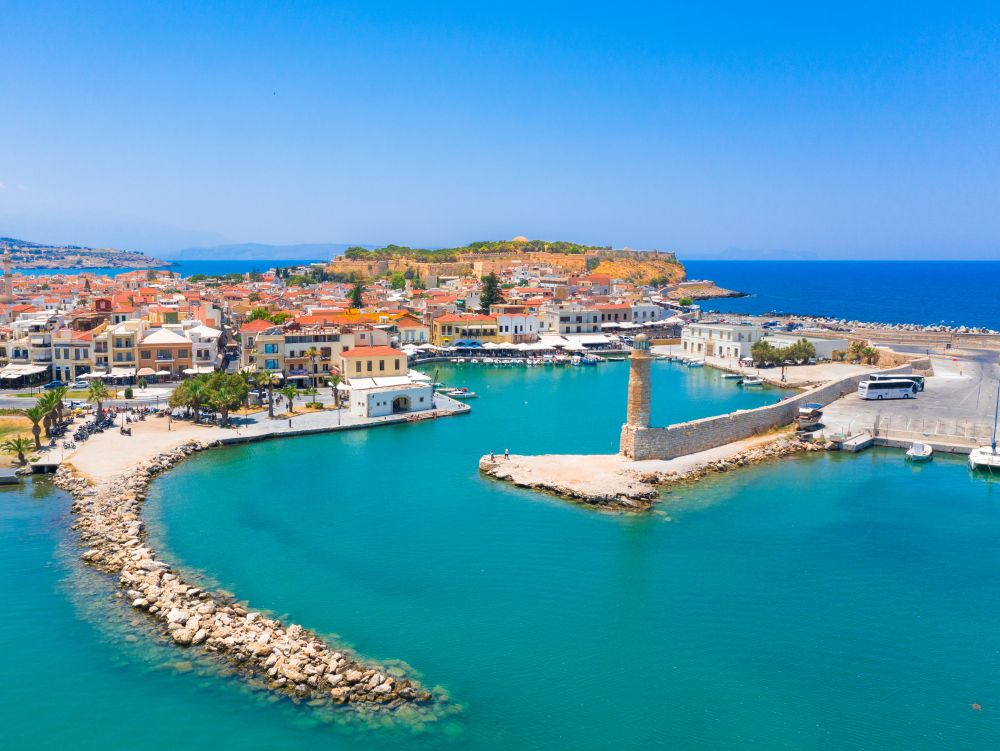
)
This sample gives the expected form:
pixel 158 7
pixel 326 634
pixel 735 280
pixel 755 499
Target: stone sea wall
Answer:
pixel 287 659
pixel 710 432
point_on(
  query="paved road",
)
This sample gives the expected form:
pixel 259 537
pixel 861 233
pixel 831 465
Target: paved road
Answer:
pixel 959 400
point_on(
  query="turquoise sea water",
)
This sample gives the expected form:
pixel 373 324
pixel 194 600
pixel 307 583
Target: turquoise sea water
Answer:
pixel 827 602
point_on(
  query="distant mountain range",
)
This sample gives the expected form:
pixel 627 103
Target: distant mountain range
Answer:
pixel 259 252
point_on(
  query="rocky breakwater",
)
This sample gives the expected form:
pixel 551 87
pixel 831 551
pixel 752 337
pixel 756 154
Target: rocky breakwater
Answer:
pixel 615 483
pixel 286 659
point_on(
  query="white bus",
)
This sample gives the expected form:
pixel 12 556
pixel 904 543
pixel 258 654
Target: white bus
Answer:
pixel 917 379
pixel 898 389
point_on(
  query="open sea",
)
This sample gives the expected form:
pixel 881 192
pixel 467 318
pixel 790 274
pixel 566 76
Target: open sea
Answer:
pixel 957 293
pixel 828 602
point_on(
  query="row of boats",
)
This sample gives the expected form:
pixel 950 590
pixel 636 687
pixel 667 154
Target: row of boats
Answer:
pixel 531 362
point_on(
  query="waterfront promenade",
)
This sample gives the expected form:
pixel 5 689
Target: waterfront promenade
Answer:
pixel 109 453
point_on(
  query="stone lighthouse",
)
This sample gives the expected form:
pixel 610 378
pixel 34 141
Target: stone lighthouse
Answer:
pixel 639 388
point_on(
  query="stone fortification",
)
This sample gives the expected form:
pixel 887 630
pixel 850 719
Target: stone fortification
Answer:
pixel 286 659
pixel 642 442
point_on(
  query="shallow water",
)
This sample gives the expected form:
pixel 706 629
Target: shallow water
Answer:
pixel 825 602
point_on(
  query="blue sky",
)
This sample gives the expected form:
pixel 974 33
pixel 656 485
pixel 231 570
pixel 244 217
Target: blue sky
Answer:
pixel 866 130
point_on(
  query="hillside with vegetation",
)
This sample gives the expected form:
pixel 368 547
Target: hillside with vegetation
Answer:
pixel 642 269
pixel 485 247
pixel 29 255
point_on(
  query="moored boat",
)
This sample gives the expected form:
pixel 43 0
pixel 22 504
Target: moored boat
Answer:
pixel 986 457
pixel 920 452
pixel 696 364
pixel 732 376
pixel 462 393
pixel 748 381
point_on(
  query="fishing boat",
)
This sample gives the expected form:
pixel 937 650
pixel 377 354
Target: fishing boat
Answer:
pixel 809 415
pixel 920 452
pixel 462 393
pixel 590 360
pixel 986 457
pixel 696 364
pixel 622 358
pixel 750 381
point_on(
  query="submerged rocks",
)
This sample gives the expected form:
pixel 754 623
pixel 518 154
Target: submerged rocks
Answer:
pixel 286 659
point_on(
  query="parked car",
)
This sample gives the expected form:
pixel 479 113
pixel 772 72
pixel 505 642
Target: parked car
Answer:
pixel 53 385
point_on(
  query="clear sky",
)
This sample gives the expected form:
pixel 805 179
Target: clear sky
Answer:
pixel 859 130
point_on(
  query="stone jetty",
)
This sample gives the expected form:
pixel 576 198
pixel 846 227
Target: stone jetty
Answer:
pixel 286 659
pixel 616 483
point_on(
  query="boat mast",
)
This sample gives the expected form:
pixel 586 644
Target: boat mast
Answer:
pixel 996 413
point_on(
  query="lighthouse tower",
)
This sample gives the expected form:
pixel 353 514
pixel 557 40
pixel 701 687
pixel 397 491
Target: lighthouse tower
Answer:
pixel 636 431
pixel 638 383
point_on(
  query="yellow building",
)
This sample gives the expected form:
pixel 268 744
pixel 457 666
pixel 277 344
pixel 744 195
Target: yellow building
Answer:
pixel 453 330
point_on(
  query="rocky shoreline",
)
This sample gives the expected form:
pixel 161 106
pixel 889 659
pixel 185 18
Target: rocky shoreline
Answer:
pixel 286 659
pixel 634 488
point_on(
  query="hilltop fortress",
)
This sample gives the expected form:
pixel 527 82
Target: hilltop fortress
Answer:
pixel 640 266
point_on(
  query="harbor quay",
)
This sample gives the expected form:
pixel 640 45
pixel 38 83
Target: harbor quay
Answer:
pixel 952 414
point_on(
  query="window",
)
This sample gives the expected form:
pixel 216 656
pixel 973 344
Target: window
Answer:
pixel 381 365
pixel 369 366
pixel 271 364
pixel 357 366
pixel 270 349
pixel 146 354
pixel 397 363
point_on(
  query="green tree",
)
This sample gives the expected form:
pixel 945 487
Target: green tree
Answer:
pixel 97 394
pixel 491 294
pixel 17 446
pixel 48 402
pixel 357 296
pixel 36 414
pixel 335 380
pixel 267 380
pixel 685 301
pixel 290 392
pixel 397 281
pixel 225 392
pixel 259 314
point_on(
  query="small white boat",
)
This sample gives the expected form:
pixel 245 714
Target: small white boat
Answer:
pixel 732 376
pixel 462 393
pixel 987 457
pixel 748 381
pixel 696 364
pixel 920 452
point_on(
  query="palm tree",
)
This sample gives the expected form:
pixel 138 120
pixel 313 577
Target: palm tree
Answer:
pixel 36 414
pixel 290 392
pixel 336 380
pixel 268 380
pixel 857 350
pixel 47 403
pixel 17 446
pixel 870 355
pixel 60 400
pixel 197 391
pixel 97 394
pixel 313 354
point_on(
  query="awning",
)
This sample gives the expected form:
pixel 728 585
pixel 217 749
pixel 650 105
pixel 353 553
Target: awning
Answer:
pixel 145 372
pixel 162 373
pixel 121 373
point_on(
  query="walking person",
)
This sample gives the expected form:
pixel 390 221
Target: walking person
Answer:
pixel 506 454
